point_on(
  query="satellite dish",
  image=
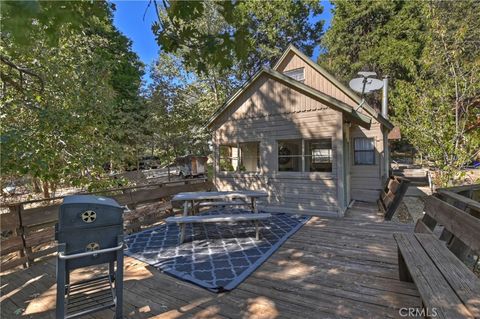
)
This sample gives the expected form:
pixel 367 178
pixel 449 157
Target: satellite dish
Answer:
pixel 367 74
pixel 366 84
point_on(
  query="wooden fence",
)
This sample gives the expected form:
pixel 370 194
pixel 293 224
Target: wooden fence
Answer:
pixel 29 232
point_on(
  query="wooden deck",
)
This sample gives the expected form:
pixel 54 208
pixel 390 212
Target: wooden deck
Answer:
pixel 330 268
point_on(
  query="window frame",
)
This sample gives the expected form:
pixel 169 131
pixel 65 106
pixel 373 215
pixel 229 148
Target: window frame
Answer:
pixel 306 156
pixel 228 157
pixel 295 70
pixel 303 156
pixel 238 158
pixel 290 156
pixel 355 151
pixel 241 158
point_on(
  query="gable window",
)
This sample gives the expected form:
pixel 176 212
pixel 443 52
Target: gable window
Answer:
pixel 305 155
pixel 318 156
pixel 296 74
pixel 364 151
pixel 239 157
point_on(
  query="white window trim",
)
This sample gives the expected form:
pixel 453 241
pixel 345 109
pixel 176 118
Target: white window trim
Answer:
pixel 289 73
pixel 375 160
pixel 237 171
pixel 303 156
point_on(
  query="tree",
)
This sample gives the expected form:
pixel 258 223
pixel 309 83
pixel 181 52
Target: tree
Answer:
pixel 179 104
pixel 430 50
pixel 439 111
pixel 381 36
pixel 209 49
pixel 236 34
pixel 62 131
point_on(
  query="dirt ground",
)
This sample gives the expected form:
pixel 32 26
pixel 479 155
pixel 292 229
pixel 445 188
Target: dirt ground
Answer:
pixel 411 208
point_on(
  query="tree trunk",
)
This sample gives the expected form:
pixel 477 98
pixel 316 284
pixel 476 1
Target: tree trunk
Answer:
pixel 53 189
pixel 36 185
pixel 136 158
pixel 46 192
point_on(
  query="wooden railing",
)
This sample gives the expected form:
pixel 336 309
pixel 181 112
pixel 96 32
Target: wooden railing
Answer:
pixel 29 232
pixel 465 198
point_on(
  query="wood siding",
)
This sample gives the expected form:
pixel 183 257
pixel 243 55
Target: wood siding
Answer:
pixel 366 180
pixel 268 111
pixel 313 78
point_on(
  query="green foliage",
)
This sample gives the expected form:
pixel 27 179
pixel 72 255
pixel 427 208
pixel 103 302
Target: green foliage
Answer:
pixel 382 36
pixel 179 105
pixel 208 49
pixel 439 110
pixel 238 35
pixel 68 130
pixel 431 52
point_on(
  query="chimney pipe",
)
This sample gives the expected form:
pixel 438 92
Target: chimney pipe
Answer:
pixel 385 97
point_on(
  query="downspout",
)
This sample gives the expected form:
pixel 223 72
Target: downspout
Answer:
pixel 386 151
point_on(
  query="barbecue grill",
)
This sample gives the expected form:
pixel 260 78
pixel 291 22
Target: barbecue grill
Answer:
pixel 89 232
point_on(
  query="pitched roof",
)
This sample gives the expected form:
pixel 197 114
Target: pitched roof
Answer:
pixel 345 89
pixel 359 118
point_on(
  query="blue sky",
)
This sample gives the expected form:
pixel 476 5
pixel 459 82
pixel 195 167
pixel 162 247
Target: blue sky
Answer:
pixel 130 20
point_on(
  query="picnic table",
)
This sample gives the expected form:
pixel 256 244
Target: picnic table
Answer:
pixel 192 201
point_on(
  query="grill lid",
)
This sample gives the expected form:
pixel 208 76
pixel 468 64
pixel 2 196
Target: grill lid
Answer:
pixel 90 199
pixel 87 211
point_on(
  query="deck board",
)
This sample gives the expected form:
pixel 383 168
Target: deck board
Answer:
pixel 331 268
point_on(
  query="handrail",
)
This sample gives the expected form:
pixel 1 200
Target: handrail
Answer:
pixel 90 253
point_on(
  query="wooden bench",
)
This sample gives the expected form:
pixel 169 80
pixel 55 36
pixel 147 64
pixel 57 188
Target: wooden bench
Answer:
pixel 448 288
pixel 223 218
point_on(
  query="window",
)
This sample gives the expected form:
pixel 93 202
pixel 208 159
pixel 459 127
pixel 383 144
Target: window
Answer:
pixel 249 157
pixel 364 151
pixel 318 155
pixel 243 157
pixel 296 74
pixel 305 155
pixel 290 156
pixel 228 158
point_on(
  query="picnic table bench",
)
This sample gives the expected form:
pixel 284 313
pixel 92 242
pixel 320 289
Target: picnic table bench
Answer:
pixel 224 198
pixel 448 288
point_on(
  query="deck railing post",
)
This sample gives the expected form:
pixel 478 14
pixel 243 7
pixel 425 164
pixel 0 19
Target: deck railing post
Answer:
pixel 20 231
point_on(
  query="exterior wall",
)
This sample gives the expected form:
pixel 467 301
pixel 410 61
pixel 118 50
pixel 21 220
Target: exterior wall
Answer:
pixel 366 180
pixel 313 78
pixel 268 112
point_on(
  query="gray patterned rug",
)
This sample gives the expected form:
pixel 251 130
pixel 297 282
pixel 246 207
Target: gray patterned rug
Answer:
pixel 218 256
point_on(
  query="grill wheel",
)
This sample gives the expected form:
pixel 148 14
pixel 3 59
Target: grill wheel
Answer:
pixel 89 216
pixel 92 246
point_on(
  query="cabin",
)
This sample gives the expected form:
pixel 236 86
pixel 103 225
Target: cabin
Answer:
pixel 298 133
